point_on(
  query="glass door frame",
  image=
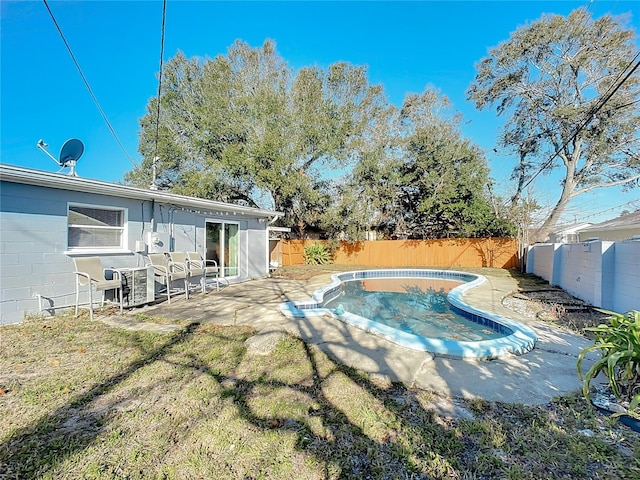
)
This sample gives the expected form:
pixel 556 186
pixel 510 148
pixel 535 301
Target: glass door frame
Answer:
pixel 222 267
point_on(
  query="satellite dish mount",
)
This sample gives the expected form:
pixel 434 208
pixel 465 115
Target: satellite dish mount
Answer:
pixel 70 152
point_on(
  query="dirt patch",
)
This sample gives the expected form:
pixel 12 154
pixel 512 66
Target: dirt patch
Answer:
pixel 536 299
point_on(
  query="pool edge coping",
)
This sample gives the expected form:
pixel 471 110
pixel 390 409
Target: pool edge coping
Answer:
pixel 520 341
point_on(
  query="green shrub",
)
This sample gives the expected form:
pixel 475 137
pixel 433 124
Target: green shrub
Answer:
pixel 619 345
pixel 317 254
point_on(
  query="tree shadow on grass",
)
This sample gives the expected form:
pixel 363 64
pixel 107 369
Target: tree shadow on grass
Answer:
pixel 353 426
pixel 55 436
pixel 345 448
pixel 376 431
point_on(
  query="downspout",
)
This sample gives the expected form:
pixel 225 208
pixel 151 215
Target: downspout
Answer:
pixel 172 241
pixel 153 215
pixel 270 222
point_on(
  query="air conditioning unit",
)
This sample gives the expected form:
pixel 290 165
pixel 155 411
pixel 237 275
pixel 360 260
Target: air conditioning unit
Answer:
pixel 138 286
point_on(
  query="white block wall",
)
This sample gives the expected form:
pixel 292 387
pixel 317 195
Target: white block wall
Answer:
pixel 626 283
pixel 604 274
pixel 540 259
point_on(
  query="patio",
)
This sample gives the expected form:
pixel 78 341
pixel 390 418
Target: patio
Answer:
pixel 534 378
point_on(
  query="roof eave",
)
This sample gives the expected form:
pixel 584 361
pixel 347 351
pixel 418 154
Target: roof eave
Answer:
pixel 14 174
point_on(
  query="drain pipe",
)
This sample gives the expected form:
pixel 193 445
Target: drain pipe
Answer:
pixel 153 215
pixel 172 240
pixel 152 229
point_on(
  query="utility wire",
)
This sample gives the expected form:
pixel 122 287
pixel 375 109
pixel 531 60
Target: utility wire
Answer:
pixel 631 202
pixel 164 16
pixel 95 100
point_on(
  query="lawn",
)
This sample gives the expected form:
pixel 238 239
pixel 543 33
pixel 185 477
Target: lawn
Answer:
pixel 80 399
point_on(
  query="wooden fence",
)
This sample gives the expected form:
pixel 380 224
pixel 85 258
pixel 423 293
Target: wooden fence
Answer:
pixel 452 252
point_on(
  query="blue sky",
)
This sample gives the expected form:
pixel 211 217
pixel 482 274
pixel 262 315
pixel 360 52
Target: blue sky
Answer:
pixel 405 45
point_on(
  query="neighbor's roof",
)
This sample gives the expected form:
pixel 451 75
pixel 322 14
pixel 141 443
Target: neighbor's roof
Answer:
pixel 571 228
pixel 629 220
pixel 13 174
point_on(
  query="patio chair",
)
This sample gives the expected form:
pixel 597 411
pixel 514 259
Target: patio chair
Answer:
pixel 207 268
pixel 194 268
pixel 90 273
pixel 168 271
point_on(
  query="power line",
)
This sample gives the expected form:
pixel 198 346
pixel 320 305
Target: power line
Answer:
pixel 164 16
pixel 589 116
pixel 95 100
pixel 631 202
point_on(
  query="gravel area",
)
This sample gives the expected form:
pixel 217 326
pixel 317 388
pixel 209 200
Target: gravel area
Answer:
pixel 554 305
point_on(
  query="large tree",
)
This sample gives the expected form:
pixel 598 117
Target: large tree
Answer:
pixel 242 125
pixel 321 145
pixel 421 179
pixel 445 176
pixel 366 197
pixel 570 87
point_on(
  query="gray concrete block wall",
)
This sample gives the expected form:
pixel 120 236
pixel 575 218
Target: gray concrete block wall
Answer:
pixel 32 261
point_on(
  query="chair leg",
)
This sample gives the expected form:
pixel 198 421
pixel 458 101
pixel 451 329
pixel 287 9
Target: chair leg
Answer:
pixel 77 297
pixel 203 283
pixel 186 289
pixel 90 303
pixel 168 282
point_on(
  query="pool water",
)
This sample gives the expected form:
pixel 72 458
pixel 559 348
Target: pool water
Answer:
pixel 416 306
pixel 418 309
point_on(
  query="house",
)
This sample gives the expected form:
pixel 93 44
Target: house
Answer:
pixel 46 219
pixel 624 227
pixel 567 233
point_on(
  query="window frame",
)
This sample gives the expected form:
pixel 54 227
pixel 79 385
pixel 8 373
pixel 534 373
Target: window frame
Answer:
pixel 94 249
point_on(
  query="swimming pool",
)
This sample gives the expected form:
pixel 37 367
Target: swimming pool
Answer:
pixel 504 336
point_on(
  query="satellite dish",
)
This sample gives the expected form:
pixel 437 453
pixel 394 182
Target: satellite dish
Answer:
pixel 70 152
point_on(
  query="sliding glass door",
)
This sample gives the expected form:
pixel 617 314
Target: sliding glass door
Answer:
pixel 231 249
pixel 222 246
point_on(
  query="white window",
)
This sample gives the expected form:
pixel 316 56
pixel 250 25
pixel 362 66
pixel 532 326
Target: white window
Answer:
pixel 96 228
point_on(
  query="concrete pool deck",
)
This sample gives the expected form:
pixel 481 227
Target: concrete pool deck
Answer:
pixel 533 378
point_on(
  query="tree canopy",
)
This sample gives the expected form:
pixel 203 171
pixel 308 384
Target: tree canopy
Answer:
pixel 323 146
pixel 570 89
